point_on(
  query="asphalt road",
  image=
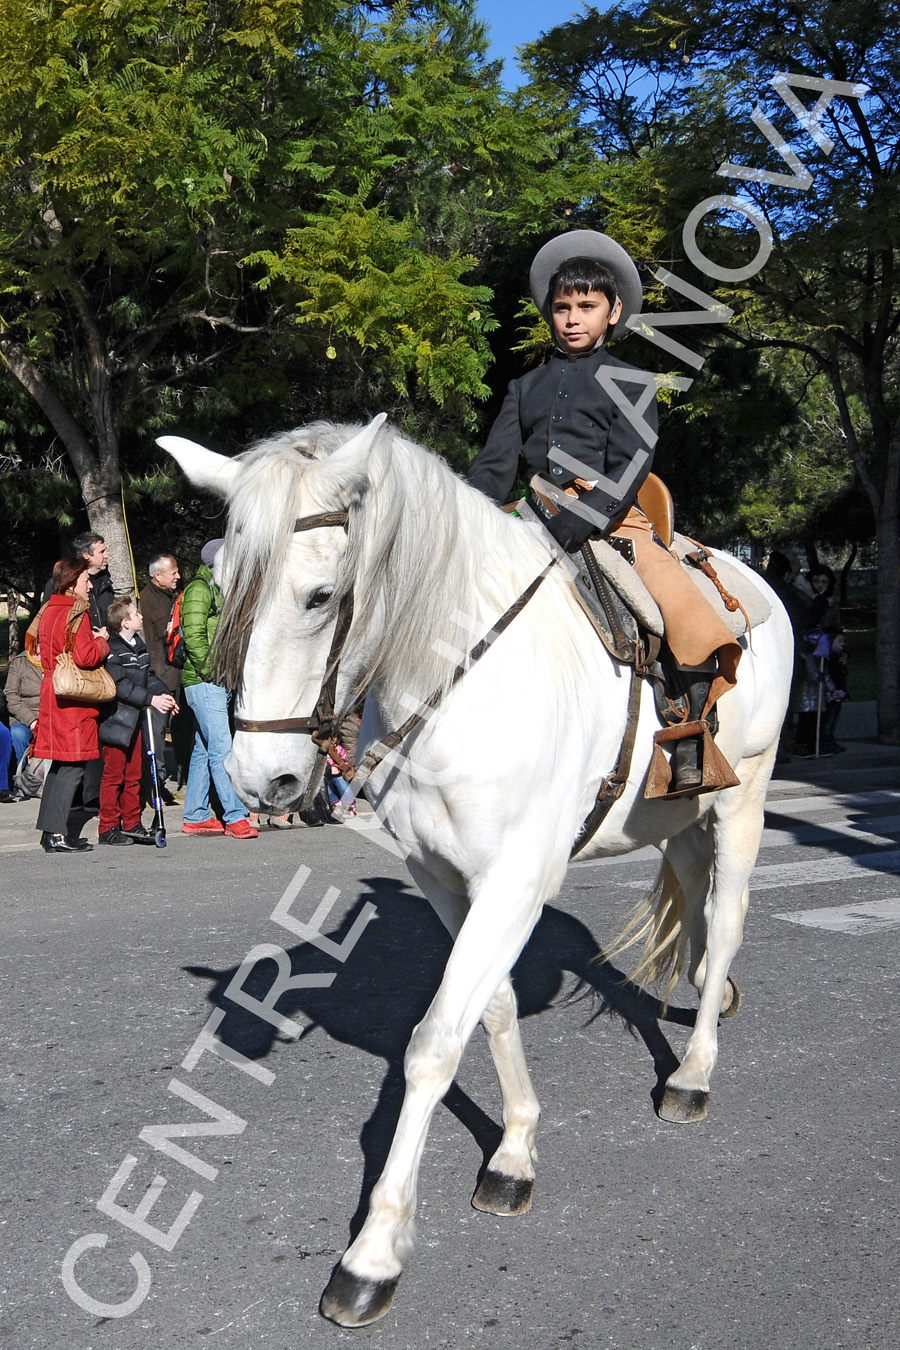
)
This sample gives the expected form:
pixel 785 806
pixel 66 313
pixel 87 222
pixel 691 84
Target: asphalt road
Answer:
pixel 771 1224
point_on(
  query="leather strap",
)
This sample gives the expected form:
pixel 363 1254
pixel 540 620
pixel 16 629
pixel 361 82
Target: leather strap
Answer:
pixel 320 723
pixel 393 739
pixel 623 647
pixel 613 786
pixel 323 519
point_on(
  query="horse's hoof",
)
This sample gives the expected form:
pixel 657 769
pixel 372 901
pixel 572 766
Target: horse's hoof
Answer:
pixel 353 1301
pixel 499 1194
pixel 731 999
pixel 682 1105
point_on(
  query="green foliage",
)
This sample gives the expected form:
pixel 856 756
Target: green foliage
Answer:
pixel 370 279
pixel 230 215
pixel 665 92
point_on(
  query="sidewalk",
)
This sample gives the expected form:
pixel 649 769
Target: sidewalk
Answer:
pixel 863 764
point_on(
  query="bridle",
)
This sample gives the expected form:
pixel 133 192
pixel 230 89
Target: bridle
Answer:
pixel 320 724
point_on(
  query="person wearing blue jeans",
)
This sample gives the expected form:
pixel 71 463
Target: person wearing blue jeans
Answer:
pixel 212 743
pixel 7 796
pixel 200 608
pixel 21 738
pixel 23 700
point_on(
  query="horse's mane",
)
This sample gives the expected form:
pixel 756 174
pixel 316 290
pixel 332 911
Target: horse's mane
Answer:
pixel 424 550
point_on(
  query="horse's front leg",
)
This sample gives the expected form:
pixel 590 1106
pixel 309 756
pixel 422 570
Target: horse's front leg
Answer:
pixel 362 1286
pixel 508 1183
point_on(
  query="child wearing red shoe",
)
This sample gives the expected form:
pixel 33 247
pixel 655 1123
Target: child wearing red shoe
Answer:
pixel 137 688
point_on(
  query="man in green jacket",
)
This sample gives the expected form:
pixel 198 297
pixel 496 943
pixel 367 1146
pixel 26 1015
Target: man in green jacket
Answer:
pixel 201 605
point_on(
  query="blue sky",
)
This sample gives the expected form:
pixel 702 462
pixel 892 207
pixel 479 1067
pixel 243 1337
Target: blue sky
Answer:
pixel 511 23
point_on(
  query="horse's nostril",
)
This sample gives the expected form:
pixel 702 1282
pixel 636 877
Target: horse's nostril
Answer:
pixel 284 793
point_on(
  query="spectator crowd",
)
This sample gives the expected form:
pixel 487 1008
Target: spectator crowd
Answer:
pixel 110 692
pixel 821 657
pixel 88 755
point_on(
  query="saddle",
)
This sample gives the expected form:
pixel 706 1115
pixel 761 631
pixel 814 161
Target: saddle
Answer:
pixel 628 622
pixel 619 605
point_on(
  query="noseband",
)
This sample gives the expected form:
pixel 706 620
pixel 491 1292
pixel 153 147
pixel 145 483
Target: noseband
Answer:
pixel 320 725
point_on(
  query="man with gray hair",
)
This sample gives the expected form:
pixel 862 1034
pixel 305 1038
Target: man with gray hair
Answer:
pixel 156 601
pixel 92 548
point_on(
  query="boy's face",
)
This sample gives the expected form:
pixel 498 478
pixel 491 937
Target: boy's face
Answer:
pixel 132 623
pixel 580 320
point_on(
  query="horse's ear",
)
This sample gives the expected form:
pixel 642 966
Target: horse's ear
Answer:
pixel 344 476
pixel 204 468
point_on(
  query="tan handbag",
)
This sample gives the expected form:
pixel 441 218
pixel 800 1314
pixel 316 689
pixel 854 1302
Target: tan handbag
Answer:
pixel 77 684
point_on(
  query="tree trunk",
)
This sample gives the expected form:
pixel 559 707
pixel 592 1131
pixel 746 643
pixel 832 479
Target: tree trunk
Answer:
pixel 12 609
pixel 887 635
pixel 98 475
pixel 105 517
pixel 845 575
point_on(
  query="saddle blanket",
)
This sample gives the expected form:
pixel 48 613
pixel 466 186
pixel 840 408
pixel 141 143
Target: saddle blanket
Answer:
pixel 639 600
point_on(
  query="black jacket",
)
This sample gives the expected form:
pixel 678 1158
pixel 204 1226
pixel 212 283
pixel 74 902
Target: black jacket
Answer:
pixel 136 685
pixel 102 596
pixel 561 411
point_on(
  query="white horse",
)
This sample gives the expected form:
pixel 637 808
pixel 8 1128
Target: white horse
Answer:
pixel 492 787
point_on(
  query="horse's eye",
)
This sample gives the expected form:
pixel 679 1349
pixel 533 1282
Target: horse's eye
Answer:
pixel 319 597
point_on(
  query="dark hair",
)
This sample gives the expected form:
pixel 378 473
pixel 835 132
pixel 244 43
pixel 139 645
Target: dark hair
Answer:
pixel 826 572
pixel 583 275
pixel 778 564
pixel 66 572
pixel 84 543
pixel 118 611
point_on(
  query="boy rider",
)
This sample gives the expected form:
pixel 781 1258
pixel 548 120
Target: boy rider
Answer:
pixel 566 425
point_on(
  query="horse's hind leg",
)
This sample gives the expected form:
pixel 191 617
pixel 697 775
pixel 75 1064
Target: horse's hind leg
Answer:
pixel 362 1285
pixel 690 854
pixel 736 831
pixel 508 1183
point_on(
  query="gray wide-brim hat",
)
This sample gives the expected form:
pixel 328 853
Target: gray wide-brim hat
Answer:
pixel 600 248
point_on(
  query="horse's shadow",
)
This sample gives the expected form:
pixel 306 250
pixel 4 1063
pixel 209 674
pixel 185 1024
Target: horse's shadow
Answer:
pixel 387 982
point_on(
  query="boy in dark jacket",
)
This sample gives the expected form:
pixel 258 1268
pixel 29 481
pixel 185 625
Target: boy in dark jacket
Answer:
pixel 587 448
pixel 137 688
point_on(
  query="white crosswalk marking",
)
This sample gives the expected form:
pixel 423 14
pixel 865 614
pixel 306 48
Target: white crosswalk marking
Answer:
pixel 826 801
pixel 868 916
pixel 819 833
pixel 828 825
pixel 835 867
pixel 874 830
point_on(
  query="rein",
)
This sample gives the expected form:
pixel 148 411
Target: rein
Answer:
pixel 373 757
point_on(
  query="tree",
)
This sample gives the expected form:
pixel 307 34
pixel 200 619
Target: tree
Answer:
pixel 212 206
pixel 669 90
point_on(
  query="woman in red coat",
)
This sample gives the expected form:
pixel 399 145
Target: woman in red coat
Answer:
pixel 66 731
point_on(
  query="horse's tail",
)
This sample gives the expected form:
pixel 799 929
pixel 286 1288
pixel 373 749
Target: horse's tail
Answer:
pixel 661 921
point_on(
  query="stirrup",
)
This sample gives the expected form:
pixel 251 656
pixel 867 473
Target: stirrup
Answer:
pixel 717 772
